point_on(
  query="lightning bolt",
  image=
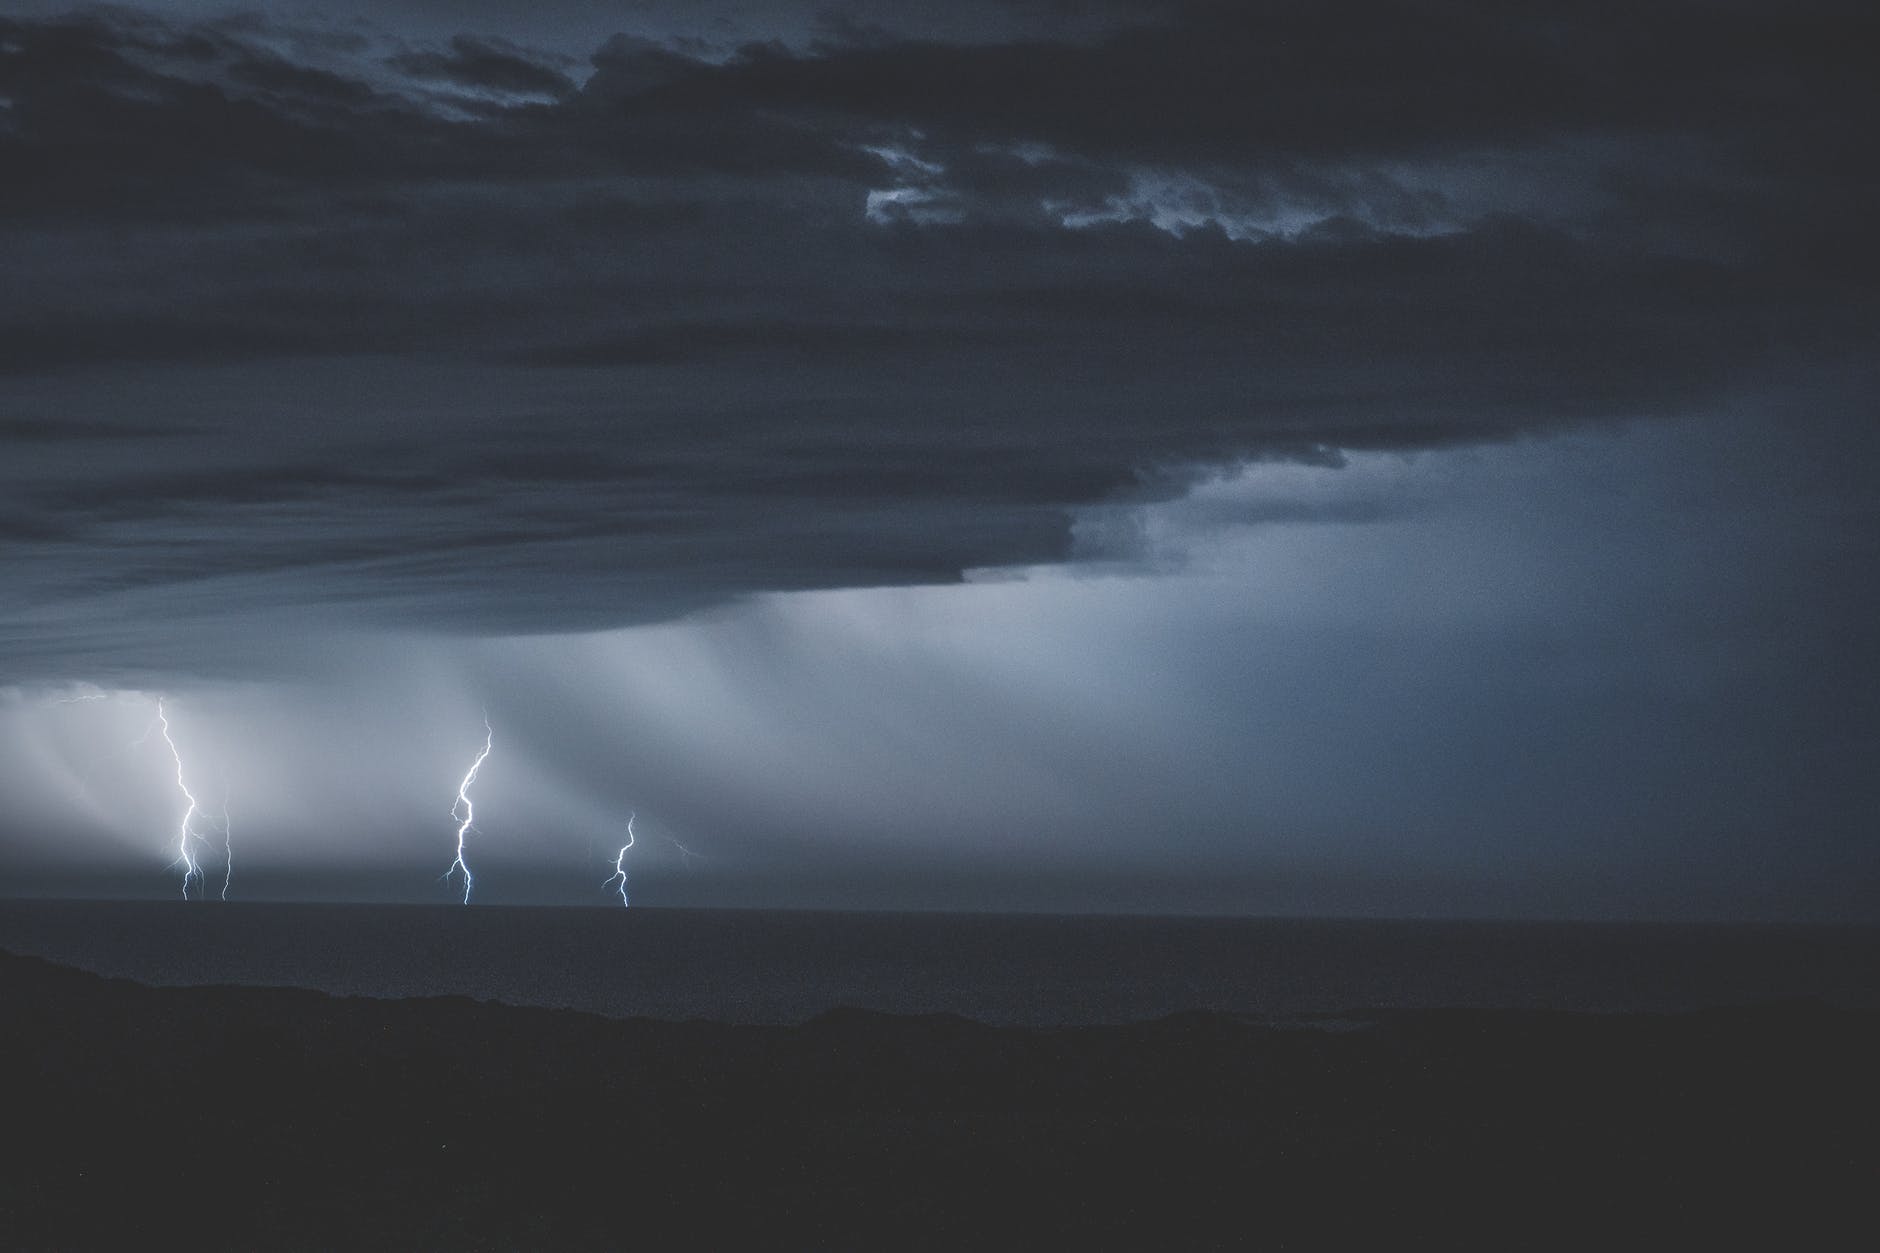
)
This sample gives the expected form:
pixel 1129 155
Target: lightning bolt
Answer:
pixel 620 862
pixel 185 831
pixel 685 854
pixel 463 802
pixel 228 847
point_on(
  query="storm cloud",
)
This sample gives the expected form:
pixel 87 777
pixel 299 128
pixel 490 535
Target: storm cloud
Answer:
pixel 356 328
pixel 866 311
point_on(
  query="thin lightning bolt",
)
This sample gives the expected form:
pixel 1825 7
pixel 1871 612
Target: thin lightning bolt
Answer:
pixel 620 862
pixel 463 802
pixel 685 854
pixel 185 831
pixel 228 847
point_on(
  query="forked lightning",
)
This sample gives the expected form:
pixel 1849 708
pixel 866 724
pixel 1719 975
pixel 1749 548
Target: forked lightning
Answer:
pixel 186 831
pixel 464 819
pixel 620 862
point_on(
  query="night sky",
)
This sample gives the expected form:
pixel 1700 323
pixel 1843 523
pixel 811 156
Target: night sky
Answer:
pixel 1409 459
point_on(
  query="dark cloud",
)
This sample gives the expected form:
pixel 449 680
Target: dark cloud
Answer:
pixel 673 344
pixel 488 65
pixel 20 430
pixel 440 321
pixel 287 82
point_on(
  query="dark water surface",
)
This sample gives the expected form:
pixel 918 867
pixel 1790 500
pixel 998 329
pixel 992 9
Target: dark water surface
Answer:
pixel 784 967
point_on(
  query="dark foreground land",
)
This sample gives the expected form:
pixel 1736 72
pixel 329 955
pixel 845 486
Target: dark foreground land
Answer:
pixel 228 1118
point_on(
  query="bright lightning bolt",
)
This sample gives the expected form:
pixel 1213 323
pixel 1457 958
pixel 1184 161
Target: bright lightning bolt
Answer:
pixel 463 802
pixel 185 831
pixel 620 862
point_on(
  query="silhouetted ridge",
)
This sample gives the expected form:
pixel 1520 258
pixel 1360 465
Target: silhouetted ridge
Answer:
pixel 305 1121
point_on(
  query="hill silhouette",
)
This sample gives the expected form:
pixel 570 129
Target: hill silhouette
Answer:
pixel 266 1118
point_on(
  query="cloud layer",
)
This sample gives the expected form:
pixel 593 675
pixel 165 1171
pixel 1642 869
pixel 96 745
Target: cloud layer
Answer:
pixel 1400 457
pixel 455 333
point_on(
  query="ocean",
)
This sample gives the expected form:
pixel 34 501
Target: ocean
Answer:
pixel 1030 970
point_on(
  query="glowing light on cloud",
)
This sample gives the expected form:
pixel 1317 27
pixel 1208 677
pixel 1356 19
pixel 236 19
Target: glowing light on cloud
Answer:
pixel 916 204
pixel 464 820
